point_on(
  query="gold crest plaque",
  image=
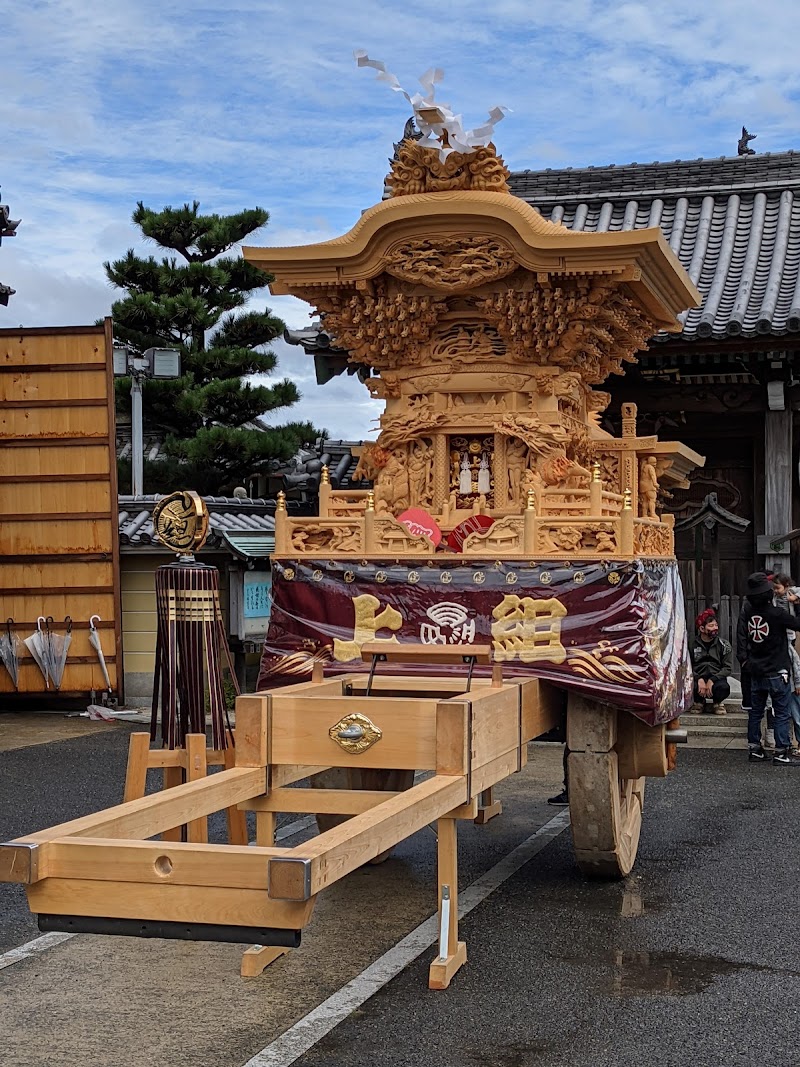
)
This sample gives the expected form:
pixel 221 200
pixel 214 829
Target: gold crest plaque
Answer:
pixel 181 522
pixel 355 733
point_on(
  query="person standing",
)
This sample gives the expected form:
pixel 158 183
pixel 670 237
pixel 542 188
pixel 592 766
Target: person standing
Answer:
pixel 712 663
pixel 770 668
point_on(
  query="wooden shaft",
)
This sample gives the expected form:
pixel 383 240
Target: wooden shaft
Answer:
pixel 196 829
pixel 305 870
pixel 154 813
pixel 265 828
pixel 313 801
pixel 172 777
pixel 136 772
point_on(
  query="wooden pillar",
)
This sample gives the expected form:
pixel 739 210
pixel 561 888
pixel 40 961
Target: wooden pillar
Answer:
pixel 500 471
pixel 777 482
pixel 441 473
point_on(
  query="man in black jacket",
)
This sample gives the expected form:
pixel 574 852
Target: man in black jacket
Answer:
pixel 712 663
pixel 767 656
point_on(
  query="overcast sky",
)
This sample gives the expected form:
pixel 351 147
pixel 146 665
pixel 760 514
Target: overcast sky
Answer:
pixel 259 102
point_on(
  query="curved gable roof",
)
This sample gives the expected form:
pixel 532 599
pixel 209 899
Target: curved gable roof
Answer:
pixel 734 223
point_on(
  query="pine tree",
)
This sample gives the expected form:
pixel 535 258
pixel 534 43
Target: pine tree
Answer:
pixel 194 305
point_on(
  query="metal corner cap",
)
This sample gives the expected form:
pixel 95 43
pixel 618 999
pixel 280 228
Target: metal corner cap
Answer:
pixel 19 862
pixel 279 892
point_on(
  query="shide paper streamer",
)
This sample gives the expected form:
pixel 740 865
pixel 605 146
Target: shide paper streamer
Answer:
pixel 441 129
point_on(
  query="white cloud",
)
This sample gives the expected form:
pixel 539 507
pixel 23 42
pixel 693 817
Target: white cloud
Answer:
pixel 259 102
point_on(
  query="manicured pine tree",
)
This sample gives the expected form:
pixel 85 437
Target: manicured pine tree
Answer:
pixel 192 303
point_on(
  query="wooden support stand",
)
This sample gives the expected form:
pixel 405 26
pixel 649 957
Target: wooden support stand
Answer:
pixel 452 952
pixel 190 764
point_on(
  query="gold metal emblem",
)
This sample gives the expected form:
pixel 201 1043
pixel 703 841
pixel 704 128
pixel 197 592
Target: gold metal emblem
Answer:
pixel 288 574
pixel 349 576
pixel 545 577
pixel 180 521
pixel 511 578
pixel 355 733
pixel 413 577
pixel 479 577
pixel 381 577
pixel 579 577
pixel 445 577
pixel 614 578
pixel 317 576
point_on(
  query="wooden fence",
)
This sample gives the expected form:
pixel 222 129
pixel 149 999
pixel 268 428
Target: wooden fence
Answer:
pixel 59 541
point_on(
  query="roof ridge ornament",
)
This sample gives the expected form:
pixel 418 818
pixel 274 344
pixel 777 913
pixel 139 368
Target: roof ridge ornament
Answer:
pixel 742 147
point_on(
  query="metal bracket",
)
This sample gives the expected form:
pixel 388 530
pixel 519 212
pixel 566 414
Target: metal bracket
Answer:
pixel 19 862
pixel 471 660
pixel 378 657
pixel 285 862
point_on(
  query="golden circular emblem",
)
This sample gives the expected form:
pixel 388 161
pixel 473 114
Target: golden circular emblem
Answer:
pixel 180 521
pixel 288 574
pixel 479 577
pixel 614 578
pixel 381 577
pixel 446 577
pixel 317 576
pixel 511 578
pixel 413 577
pixel 545 577
pixel 349 576
pixel 579 577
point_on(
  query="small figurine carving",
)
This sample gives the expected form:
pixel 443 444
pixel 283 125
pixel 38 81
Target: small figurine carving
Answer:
pixel 648 488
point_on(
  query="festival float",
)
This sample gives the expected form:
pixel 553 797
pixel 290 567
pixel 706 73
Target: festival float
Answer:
pixel 510 562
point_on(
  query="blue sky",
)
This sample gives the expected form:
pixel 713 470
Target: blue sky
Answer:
pixel 261 103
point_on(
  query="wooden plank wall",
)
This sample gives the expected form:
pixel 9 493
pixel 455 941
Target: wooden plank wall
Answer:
pixel 59 542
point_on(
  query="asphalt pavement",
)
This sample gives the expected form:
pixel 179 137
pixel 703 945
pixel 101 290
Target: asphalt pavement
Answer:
pixel 691 960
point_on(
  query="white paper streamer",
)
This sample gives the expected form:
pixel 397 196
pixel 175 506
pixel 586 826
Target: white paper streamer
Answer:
pixel 435 119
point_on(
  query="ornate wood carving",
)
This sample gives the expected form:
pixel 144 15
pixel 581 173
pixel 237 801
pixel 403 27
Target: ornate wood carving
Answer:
pixel 420 170
pixel 451 263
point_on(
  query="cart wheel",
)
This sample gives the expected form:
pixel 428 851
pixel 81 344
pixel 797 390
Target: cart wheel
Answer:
pixel 605 808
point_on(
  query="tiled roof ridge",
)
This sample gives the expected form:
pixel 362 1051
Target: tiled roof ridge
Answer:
pixel 675 178
pixel 213 503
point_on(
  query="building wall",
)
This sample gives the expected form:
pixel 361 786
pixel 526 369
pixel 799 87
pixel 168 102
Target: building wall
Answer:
pixel 58 531
pixel 139 619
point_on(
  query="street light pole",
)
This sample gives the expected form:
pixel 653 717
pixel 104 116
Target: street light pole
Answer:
pixel 137 435
pixel 152 363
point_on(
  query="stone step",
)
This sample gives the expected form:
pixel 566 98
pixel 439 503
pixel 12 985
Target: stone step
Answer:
pixel 733 720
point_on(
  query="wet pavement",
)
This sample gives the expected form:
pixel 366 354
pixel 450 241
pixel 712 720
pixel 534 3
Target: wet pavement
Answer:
pixel 691 960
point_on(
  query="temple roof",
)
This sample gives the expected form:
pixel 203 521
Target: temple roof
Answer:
pixel 734 223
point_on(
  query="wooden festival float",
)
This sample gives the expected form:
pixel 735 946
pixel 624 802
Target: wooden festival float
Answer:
pixel 511 559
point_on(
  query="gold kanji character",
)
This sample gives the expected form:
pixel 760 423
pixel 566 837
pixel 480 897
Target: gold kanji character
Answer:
pixel 368 620
pixel 528 630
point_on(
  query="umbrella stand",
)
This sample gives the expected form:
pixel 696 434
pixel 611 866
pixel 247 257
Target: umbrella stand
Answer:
pixel 9 652
pixel 94 638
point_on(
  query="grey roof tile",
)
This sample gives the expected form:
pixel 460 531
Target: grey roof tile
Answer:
pixel 225 513
pixel 734 223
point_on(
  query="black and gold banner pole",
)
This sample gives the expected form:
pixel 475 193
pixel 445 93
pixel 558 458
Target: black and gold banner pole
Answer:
pixel 191 639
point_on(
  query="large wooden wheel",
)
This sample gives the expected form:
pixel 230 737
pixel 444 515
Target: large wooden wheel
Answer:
pixel 609 751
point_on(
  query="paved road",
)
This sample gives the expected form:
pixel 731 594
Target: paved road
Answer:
pixel 692 960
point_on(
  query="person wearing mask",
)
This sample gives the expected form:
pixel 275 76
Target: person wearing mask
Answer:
pixel 712 663
pixel 770 666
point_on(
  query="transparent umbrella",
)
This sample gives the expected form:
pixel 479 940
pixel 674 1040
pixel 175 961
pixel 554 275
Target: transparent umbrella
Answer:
pixel 57 648
pixel 37 646
pixel 9 652
pixel 94 637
